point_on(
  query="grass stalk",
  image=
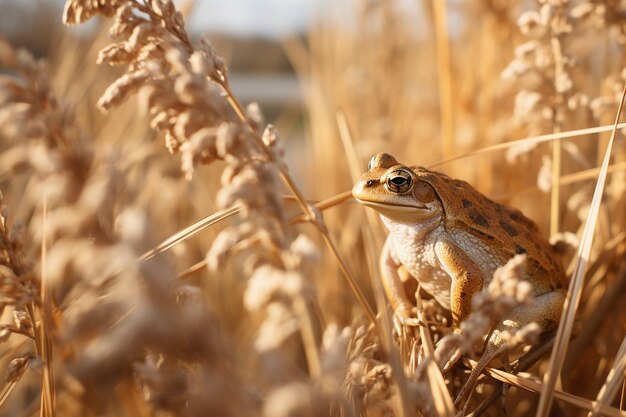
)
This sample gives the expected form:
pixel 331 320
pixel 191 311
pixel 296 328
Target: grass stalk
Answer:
pixel 531 140
pixel 555 199
pixel 444 66
pixel 385 320
pixel 613 381
pixel 189 231
pixel 48 397
pixel 314 216
pixel 530 383
pixel 572 299
pixel 441 397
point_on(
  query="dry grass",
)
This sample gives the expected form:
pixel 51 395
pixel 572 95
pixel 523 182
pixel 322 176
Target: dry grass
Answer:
pixel 254 303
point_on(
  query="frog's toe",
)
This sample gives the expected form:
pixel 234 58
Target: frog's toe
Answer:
pixel 406 317
pixel 411 322
pixel 452 361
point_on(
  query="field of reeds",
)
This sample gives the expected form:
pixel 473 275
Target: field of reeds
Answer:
pixel 166 250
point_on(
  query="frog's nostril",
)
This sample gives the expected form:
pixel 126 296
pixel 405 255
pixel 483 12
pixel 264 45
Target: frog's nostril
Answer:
pixel 369 183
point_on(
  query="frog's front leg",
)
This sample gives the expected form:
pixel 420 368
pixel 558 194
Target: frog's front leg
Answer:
pixel 395 289
pixel 467 279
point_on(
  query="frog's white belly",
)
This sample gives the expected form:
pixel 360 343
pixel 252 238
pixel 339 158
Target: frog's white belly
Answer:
pixel 414 247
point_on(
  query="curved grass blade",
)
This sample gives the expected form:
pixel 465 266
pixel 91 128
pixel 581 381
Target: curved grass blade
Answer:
pixel 590 173
pixel 574 292
pixel 613 381
pixel 532 140
pixel 190 231
pixel 48 390
pixel 532 384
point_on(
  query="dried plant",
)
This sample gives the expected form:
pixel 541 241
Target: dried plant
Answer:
pixel 505 291
pixel 188 96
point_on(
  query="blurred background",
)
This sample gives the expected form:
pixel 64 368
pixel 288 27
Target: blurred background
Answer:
pixel 247 33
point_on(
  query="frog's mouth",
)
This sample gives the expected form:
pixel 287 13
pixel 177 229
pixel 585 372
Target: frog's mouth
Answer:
pixel 394 206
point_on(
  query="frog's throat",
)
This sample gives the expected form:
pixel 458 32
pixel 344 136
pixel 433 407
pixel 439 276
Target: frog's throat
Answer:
pixel 417 229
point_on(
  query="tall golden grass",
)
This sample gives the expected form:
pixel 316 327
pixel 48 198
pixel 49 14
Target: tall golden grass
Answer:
pixel 204 278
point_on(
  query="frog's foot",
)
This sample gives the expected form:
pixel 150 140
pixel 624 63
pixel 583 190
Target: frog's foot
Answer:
pixel 523 364
pixel 506 362
pixel 546 309
pixel 452 361
pixel 405 317
pixel 471 382
pixel 447 350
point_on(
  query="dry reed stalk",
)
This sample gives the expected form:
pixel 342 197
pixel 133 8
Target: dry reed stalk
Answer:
pixel 31 94
pixel 190 231
pixel 220 141
pixel 86 261
pixel 543 70
pixel 614 380
pixel 385 321
pixel 444 66
pixel 443 404
pixel 534 140
pixel 221 215
pixel 46 331
pixel 204 126
pixel 575 288
pixel 530 383
pixel 591 173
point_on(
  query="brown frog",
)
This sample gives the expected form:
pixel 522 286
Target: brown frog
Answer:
pixel 451 239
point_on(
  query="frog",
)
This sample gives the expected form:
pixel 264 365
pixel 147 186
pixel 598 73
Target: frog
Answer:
pixel 451 238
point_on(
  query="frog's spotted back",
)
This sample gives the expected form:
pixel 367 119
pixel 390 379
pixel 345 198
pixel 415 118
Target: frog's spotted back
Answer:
pixel 514 231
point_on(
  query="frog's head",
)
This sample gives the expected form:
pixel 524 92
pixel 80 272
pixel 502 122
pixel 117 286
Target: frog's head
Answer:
pixel 396 191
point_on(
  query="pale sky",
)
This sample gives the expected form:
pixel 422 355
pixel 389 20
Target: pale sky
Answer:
pixel 272 18
pixel 260 17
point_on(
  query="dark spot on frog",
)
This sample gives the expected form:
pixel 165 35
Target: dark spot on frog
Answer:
pixel 510 230
pixel 519 249
pixel 370 183
pixel 514 216
pixel 478 218
pixel 466 203
pixel 553 262
pixel 481 235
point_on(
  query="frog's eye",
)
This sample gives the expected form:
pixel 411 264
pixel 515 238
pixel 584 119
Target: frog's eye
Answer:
pixel 400 181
